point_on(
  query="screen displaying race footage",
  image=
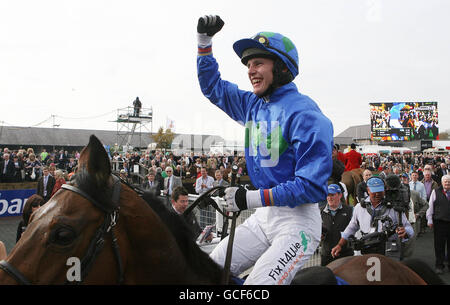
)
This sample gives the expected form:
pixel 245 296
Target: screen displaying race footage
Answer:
pixel 404 121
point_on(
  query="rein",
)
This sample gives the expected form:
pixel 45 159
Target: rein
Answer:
pixel 209 201
pixel 98 241
pixel 206 197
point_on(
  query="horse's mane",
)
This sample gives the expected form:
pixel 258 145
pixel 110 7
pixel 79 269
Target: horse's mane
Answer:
pixel 199 261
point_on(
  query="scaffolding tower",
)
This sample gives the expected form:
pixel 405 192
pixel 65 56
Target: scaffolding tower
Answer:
pixel 130 126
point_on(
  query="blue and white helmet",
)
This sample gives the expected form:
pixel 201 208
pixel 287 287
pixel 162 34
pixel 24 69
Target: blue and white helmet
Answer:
pixel 266 44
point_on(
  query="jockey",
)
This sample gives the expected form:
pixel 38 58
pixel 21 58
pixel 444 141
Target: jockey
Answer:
pixel 288 143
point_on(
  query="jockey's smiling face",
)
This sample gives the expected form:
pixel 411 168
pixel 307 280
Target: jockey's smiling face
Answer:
pixel 260 73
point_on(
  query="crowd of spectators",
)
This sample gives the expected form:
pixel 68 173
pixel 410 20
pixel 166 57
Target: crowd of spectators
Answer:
pixel 186 166
pixel 407 163
pixel 379 117
pixel 425 178
pixel 26 165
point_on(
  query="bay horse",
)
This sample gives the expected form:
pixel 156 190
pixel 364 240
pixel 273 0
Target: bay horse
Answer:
pixel 361 270
pixel 144 249
pixel 351 179
pixel 119 237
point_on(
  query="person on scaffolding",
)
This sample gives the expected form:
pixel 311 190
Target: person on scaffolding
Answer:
pixel 288 153
pixel 137 106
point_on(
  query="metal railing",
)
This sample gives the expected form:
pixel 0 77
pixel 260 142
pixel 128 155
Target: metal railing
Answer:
pixel 136 173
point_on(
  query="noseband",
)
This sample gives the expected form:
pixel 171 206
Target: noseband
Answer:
pixel 98 241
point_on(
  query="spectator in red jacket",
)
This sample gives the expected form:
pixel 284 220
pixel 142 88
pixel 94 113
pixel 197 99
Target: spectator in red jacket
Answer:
pixel 353 158
pixel 60 180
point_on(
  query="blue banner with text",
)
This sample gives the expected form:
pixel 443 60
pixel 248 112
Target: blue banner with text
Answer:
pixel 13 201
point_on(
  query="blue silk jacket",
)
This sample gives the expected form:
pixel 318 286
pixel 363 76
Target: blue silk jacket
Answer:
pixel 288 140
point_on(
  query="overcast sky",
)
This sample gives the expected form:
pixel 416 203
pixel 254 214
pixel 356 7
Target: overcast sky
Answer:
pixel 82 60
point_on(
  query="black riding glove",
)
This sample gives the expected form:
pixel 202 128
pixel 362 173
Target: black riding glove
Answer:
pixel 209 25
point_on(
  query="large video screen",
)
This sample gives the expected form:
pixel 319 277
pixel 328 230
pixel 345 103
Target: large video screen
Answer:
pixel 404 121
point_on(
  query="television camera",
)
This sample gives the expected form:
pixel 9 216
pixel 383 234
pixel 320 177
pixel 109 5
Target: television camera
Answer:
pixel 374 242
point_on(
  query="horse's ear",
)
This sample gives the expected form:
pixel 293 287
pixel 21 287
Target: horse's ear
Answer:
pixel 96 161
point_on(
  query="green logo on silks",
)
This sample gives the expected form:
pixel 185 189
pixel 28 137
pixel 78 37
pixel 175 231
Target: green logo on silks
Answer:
pixel 269 143
pixel 305 240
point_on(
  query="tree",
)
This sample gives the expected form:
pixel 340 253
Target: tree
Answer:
pixel 163 139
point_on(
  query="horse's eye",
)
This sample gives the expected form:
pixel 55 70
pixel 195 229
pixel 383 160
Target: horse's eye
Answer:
pixel 62 236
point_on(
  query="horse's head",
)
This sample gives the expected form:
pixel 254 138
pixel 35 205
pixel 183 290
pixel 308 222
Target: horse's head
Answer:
pixel 70 237
pixel 59 234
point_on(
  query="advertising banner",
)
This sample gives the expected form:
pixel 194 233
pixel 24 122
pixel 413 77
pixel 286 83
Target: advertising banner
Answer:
pixel 13 201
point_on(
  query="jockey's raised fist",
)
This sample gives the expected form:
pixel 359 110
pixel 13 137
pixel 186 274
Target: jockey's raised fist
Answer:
pixel 209 25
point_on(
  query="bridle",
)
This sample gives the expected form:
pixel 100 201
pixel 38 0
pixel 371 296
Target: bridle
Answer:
pixel 96 245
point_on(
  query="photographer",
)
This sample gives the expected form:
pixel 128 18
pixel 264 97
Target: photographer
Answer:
pixel 366 217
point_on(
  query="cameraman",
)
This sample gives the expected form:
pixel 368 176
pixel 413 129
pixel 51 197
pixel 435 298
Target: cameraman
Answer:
pixel 363 219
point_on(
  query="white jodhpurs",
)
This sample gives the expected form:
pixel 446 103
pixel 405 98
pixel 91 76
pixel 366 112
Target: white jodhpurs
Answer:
pixel 276 241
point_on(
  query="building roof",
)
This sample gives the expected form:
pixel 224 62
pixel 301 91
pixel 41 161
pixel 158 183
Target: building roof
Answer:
pixel 13 135
pixel 37 136
pixel 353 134
pixel 356 132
